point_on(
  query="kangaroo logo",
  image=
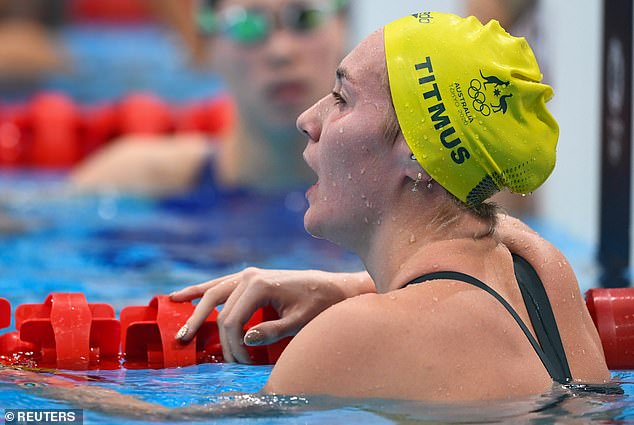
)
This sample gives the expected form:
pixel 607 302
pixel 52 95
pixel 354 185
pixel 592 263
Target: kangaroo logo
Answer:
pixel 502 106
pixel 478 92
pixel 492 79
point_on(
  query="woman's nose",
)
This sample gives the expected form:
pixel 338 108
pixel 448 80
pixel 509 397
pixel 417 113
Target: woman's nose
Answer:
pixel 309 122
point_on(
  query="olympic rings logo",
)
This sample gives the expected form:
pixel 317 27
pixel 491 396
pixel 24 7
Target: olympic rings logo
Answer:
pixel 423 17
pixel 479 97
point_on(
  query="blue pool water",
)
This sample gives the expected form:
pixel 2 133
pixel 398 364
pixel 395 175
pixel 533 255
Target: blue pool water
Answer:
pixel 123 251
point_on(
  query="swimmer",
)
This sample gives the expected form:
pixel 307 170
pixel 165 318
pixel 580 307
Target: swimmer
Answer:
pixel 276 58
pixel 467 304
pixel 410 199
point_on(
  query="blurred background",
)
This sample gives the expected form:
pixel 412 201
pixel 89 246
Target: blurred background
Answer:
pixel 93 59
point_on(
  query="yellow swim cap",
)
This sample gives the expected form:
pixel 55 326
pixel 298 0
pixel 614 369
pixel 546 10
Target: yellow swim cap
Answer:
pixel 470 104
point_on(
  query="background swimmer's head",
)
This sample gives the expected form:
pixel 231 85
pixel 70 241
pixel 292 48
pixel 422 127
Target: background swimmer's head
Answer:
pixel 276 56
pixel 470 103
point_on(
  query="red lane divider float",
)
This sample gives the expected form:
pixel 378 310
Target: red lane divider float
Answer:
pixel 67 332
pixel 54 125
pixel 612 310
pixel 52 131
pixel 5 313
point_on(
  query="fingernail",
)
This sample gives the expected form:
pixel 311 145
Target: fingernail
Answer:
pixel 253 337
pixel 182 331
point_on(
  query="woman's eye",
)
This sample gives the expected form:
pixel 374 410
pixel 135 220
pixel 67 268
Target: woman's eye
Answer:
pixel 339 100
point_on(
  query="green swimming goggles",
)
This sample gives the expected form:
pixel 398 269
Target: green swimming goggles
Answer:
pixel 252 25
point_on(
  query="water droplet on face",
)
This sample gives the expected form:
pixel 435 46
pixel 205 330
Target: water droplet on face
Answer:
pixel 349 176
pixel 341 130
pixel 435 266
pixel 412 238
pixel 365 220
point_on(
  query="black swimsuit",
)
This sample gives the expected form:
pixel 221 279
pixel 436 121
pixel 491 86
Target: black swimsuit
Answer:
pixel 548 345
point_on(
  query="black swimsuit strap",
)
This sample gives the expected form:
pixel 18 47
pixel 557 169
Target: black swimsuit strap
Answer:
pixel 542 316
pixel 448 275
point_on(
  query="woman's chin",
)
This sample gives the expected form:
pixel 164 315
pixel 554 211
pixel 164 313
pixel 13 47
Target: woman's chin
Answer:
pixel 312 225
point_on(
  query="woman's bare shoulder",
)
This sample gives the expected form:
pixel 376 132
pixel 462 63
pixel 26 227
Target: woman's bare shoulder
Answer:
pixel 403 344
pixel 343 351
pixel 548 261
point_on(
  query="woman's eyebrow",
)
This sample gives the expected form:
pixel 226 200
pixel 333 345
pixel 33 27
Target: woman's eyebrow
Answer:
pixel 342 73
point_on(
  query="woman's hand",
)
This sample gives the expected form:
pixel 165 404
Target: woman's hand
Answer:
pixel 297 296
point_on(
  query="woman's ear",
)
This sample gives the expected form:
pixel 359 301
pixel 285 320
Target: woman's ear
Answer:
pixel 409 167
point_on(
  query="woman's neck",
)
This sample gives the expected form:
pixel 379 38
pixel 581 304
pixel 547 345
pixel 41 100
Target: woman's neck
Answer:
pixel 262 160
pixel 404 248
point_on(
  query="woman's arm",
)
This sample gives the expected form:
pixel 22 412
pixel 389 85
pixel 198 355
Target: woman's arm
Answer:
pixel 297 296
pixel 83 396
pixel 153 166
pixel 113 403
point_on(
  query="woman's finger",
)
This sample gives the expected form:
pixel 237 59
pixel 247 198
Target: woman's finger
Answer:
pixel 209 301
pixel 196 291
pixel 269 332
pixel 231 327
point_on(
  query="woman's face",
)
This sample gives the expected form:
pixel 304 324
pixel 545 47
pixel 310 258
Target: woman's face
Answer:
pixel 348 150
pixel 277 77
